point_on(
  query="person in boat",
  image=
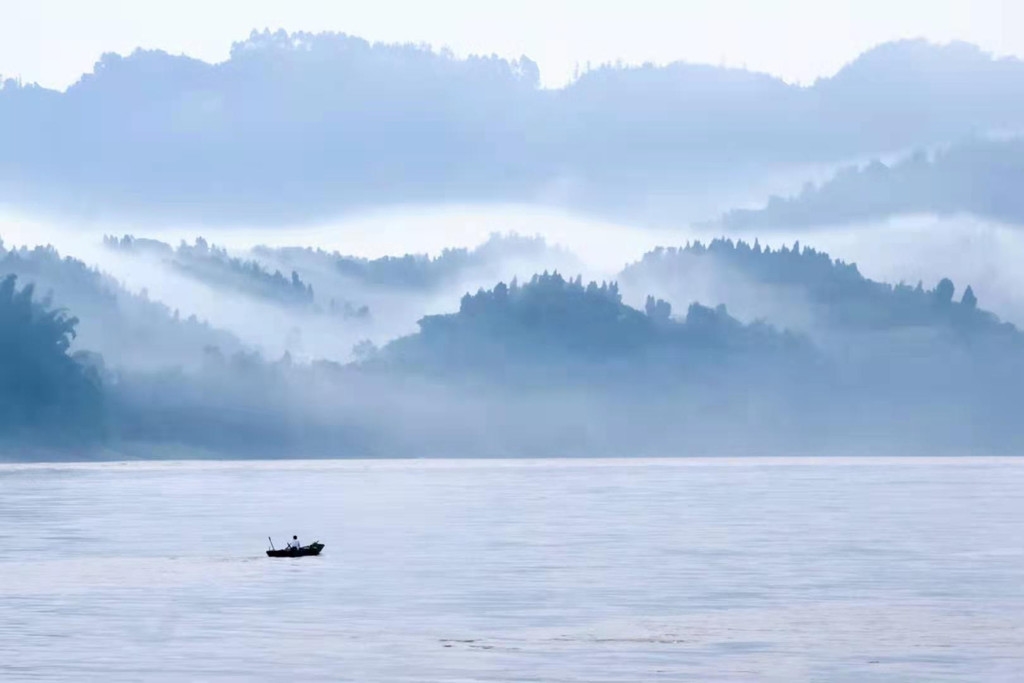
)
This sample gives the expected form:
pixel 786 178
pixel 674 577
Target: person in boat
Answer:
pixel 294 543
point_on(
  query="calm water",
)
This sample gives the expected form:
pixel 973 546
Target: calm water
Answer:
pixel 507 571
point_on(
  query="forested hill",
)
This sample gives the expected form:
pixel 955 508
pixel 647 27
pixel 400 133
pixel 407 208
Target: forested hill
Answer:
pixel 129 327
pixel 302 126
pixel 831 292
pixel 422 272
pixel 215 267
pixel 555 366
pixel 47 397
pixel 551 321
pixel 981 178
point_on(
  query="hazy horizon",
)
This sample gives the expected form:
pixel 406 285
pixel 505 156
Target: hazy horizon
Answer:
pixel 54 42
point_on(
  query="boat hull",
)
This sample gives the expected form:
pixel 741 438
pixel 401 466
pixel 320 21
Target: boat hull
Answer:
pixel 304 551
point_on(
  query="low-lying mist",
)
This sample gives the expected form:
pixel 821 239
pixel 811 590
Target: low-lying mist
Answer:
pixel 595 249
pixel 429 332
pixel 906 249
pixel 911 249
pixel 967 250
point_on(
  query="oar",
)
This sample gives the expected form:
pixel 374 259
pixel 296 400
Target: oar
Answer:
pixel 271 543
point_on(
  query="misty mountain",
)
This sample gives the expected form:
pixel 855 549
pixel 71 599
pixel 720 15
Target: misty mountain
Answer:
pixel 556 367
pixel 131 329
pixel 421 272
pixel 331 302
pixel 213 266
pixel 806 289
pixel 300 126
pixel 923 374
pixel 551 322
pixel 979 177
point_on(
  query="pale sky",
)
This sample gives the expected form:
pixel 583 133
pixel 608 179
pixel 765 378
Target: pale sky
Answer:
pixel 54 41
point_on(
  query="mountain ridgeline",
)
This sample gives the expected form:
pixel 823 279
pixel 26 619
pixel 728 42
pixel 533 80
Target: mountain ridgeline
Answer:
pixel 117 323
pixel 302 126
pixel 422 272
pixel 979 177
pixel 581 331
pixel 807 289
pixel 502 349
pixel 213 266
pixel 554 366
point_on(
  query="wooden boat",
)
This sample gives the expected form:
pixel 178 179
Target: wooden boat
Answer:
pixel 311 549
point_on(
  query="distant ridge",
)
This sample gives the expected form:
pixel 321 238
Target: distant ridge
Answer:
pixel 980 177
pixel 300 126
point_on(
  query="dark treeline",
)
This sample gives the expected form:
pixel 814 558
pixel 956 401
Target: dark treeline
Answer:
pixel 133 328
pixel 944 377
pixel 556 366
pixel 980 177
pixel 297 126
pixel 47 397
pixel 57 404
pixel 242 405
pixel 420 271
pixel 551 320
pixel 216 267
pixel 417 271
pixel 835 292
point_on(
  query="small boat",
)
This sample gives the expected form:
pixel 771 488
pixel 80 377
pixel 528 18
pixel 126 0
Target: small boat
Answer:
pixel 311 549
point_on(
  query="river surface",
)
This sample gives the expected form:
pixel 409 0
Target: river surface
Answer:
pixel 577 570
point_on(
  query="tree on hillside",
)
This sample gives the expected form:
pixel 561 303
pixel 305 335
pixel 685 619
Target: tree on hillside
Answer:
pixel 46 395
pixel 944 291
pixel 969 299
